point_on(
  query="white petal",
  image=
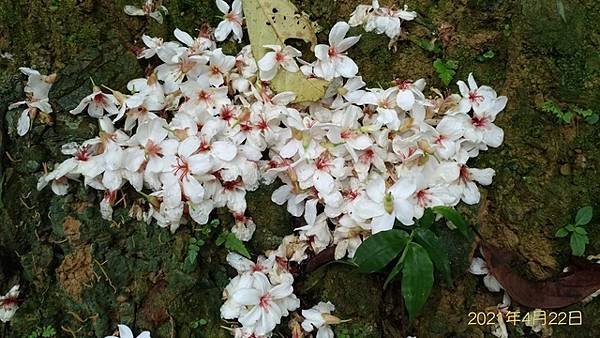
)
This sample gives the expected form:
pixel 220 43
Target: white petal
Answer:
pixel 224 150
pixel 337 33
pixel 405 99
pixel 23 123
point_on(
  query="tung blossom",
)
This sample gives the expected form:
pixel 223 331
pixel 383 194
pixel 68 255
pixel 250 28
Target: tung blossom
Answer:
pixel 333 61
pixel 199 132
pixel 278 57
pixel 319 317
pixel 9 304
pixel 125 332
pixel 232 21
pixel 264 302
pixel 149 9
pixel 37 89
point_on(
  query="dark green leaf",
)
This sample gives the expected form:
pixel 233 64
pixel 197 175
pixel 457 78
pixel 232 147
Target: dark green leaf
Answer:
pixel 417 278
pixel 222 237
pixel 393 274
pixel 378 250
pixel 578 243
pixel 580 231
pixel 570 227
pixel 428 217
pixel 437 253
pixel 584 216
pixel 453 216
pixel 489 54
pixel 592 119
pixel 560 7
pixel 562 232
pixel 232 243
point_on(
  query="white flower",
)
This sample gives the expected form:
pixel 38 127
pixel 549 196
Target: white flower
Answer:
pixel 348 236
pixel 462 179
pixel 475 97
pixel 166 51
pixel 220 64
pixel 319 317
pixel 183 167
pixel 278 57
pixel 385 207
pixel 125 332
pixel 333 61
pixel 348 93
pixel 479 267
pixel 9 304
pixel 230 308
pixel 37 89
pixel 232 21
pixel 481 129
pixel 97 103
pixel 196 45
pixel 149 9
pixel 262 300
pixel 316 227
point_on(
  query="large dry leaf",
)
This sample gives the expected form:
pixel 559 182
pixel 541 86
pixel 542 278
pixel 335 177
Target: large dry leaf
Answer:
pixel 581 280
pixel 272 22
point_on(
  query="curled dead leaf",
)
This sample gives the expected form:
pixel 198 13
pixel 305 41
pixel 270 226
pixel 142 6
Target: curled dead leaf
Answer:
pixel 581 279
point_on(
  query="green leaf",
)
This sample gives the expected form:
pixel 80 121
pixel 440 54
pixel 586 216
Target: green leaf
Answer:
pixel 593 119
pixel 394 273
pixel 578 243
pixel 584 216
pixel 445 70
pixel 438 255
pixel 232 243
pixel 427 220
pixel 562 232
pixel 272 22
pixel 417 278
pixel 560 7
pixel 453 216
pixel 379 250
pixel 489 54
pixel 580 231
pixel 222 238
pixel 570 227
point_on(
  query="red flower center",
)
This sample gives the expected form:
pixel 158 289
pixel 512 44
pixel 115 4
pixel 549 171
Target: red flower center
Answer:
pixel 264 301
pixel 181 169
pixel 332 52
pixel 473 97
pixel 479 122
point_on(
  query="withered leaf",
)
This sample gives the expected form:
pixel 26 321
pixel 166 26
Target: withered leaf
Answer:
pixel 581 280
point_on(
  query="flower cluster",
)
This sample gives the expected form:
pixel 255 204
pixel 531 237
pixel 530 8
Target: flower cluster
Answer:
pixel 9 304
pixel 260 295
pixel 381 20
pixel 200 131
pixel 36 90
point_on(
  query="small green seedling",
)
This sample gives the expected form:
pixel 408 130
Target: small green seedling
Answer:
pixel 579 238
pixel 567 116
pixel 486 56
pixel 446 70
pixel 412 255
pixel 45 332
pixel 232 243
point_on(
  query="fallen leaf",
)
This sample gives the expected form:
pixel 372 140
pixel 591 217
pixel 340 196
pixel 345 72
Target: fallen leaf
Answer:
pixel 581 280
pixel 272 22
